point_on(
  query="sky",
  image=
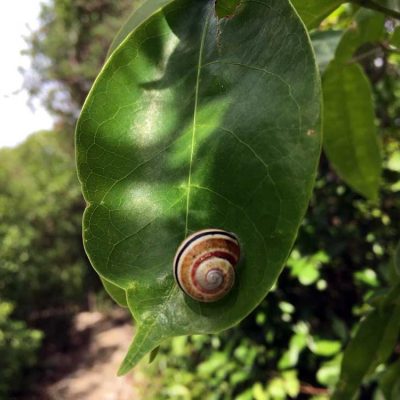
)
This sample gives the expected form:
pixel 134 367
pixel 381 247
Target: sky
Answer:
pixel 18 120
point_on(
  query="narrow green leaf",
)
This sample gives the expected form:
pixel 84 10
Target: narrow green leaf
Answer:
pixel 371 346
pixel 313 12
pixel 116 293
pixel 198 122
pixel 351 141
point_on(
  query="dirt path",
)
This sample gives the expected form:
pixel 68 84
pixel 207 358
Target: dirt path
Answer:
pixel 92 370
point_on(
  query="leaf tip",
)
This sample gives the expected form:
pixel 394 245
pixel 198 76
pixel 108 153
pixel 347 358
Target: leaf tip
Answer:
pixel 147 340
pixel 131 359
pixel 124 368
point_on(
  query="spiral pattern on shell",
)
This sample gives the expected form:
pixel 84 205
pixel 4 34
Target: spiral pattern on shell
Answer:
pixel 204 264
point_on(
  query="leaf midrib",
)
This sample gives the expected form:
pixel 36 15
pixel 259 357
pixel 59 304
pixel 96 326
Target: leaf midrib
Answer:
pixel 196 101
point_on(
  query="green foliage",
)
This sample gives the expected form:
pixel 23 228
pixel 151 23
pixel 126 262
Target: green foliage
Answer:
pixel 374 342
pixel 69 49
pixel 155 168
pixel 306 269
pixel 389 382
pixel 378 332
pixel 215 369
pixel 42 256
pixel 300 327
pixel 367 27
pixel 43 270
pixel 18 350
pixel 341 235
pixel 292 344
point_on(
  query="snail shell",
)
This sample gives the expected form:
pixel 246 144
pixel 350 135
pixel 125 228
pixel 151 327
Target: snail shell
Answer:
pixel 204 264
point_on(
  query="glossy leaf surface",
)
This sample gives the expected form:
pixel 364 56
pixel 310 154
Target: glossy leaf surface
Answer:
pixel 198 122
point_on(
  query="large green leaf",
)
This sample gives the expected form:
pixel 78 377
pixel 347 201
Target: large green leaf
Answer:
pixel 312 12
pixel 197 122
pixel 350 136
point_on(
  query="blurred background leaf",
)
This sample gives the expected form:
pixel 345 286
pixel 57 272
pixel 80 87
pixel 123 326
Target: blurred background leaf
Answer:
pixel 351 141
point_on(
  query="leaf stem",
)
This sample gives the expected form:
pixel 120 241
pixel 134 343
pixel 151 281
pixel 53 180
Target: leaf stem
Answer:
pixel 377 7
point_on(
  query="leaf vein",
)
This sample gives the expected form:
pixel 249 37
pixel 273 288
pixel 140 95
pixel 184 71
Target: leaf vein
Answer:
pixel 196 101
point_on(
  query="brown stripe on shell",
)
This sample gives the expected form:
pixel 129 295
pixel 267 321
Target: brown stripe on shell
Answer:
pixel 210 250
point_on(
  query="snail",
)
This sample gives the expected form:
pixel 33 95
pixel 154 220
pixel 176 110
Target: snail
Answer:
pixel 205 262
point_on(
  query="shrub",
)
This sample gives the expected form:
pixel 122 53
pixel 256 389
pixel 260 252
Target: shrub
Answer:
pixel 18 350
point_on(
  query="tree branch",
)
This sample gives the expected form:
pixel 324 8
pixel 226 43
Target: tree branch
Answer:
pixel 377 7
